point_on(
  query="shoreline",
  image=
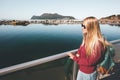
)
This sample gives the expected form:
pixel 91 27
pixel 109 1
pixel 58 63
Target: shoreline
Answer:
pixel 54 22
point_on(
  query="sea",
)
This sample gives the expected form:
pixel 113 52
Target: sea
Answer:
pixel 19 44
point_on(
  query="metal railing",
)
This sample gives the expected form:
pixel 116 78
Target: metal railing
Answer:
pixel 115 41
pixel 33 63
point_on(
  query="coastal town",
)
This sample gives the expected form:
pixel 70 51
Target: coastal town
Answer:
pixel 111 20
pixel 55 19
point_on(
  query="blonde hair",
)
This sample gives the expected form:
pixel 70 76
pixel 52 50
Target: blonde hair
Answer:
pixel 93 35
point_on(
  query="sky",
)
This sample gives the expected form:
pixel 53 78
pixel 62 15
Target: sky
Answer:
pixel 25 9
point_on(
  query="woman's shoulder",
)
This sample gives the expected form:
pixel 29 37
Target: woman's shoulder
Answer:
pixel 99 45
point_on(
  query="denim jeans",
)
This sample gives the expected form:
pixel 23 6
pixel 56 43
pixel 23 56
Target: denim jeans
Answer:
pixel 83 76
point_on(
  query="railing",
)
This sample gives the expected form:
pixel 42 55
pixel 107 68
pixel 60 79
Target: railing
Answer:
pixel 115 41
pixel 33 63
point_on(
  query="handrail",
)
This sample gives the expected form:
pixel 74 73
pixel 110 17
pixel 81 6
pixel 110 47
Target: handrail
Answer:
pixel 29 64
pixel 115 41
pixel 33 63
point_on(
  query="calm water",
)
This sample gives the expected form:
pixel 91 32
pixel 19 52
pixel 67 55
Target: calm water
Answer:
pixel 20 44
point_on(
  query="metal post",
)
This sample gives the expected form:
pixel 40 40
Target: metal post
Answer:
pixel 75 70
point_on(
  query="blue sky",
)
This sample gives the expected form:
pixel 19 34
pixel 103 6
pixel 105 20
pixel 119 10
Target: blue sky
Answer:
pixel 25 9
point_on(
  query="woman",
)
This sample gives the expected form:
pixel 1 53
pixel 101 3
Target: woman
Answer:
pixel 91 50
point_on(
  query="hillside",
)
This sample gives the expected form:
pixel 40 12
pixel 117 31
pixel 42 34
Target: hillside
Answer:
pixel 51 16
pixel 113 19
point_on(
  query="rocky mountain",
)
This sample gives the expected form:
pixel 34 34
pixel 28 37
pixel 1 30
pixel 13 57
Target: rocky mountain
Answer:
pixel 51 16
pixel 113 19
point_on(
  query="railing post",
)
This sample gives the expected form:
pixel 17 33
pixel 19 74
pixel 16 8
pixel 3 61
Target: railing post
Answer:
pixel 75 70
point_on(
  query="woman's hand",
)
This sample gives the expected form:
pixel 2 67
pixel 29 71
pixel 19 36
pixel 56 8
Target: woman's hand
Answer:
pixel 77 55
pixel 71 55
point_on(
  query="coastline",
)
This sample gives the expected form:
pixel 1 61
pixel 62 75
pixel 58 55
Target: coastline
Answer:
pixel 55 22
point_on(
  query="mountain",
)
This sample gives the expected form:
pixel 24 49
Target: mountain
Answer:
pixel 51 16
pixel 113 19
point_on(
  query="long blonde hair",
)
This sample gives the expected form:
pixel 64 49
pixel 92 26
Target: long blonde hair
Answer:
pixel 93 35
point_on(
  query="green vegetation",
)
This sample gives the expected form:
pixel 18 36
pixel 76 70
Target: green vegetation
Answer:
pixel 51 16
